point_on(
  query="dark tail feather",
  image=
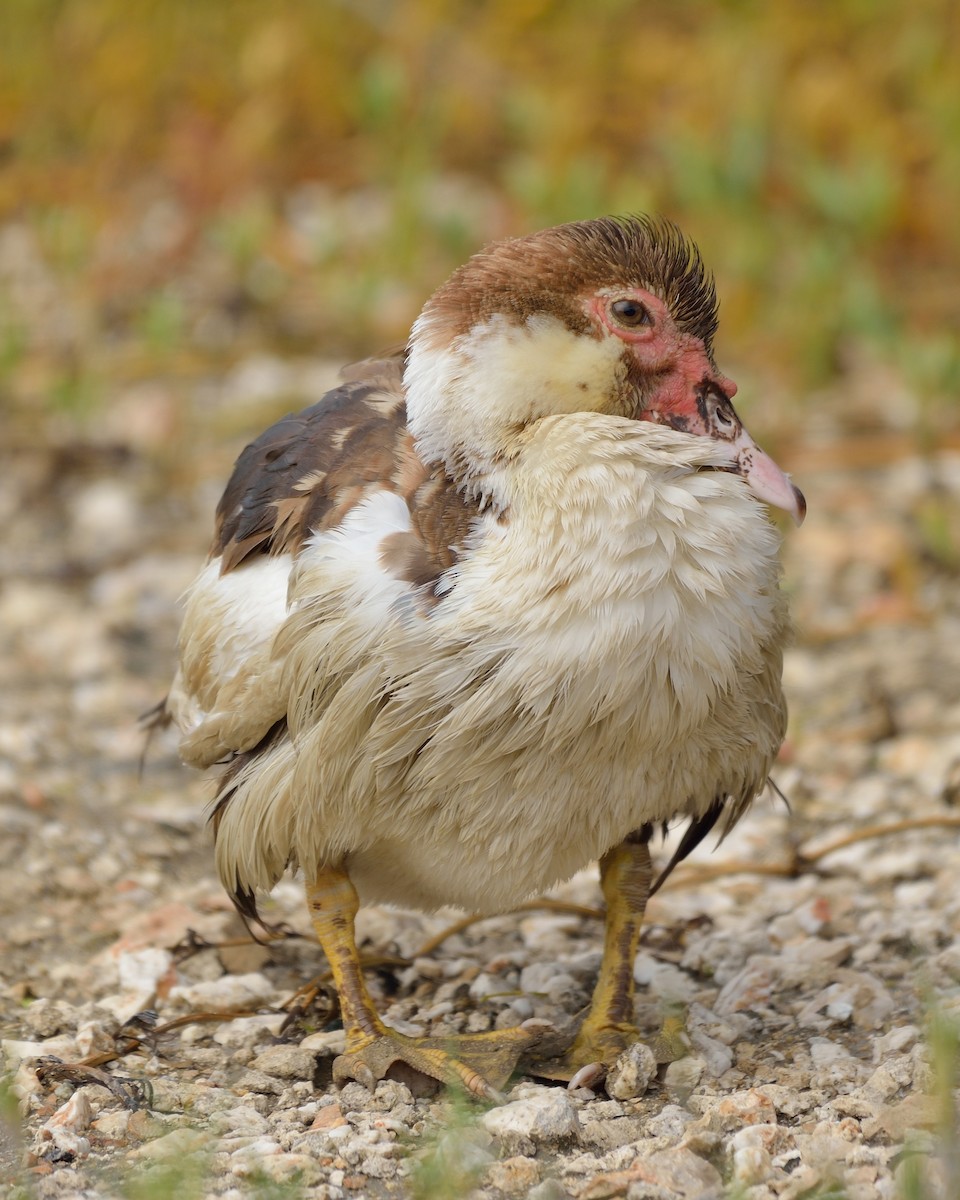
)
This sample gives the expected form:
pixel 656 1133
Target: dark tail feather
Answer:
pixel 245 902
pixel 244 899
pixel 693 835
pixel 772 783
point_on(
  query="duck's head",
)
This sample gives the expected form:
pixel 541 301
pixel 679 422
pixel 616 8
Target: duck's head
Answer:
pixel 615 316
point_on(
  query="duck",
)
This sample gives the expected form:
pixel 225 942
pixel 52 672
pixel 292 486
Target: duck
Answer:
pixel 504 602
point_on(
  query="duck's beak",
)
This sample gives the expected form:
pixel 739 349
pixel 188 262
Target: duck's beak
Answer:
pixel 717 418
pixel 765 479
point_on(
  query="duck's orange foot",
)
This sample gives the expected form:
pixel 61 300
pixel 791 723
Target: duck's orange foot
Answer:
pixel 480 1063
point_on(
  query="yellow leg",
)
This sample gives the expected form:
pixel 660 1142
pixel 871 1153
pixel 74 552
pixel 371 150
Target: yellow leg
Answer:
pixel 608 1028
pixel 334 904
pixel 625 877
pixel 478 1062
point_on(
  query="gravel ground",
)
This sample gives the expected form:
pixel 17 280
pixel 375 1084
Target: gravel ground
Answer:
pixel 807 961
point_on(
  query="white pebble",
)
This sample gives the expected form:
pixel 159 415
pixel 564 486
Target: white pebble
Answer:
pixel 632 1073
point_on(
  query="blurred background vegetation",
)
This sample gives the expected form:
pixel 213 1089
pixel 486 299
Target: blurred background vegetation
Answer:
pixel 186 182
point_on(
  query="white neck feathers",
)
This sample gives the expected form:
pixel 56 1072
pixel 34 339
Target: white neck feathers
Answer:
pixel 467 402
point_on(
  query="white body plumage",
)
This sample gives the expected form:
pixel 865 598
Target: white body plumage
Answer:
pixel 594 668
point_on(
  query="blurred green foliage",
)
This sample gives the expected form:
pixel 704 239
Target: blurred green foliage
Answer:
pixel 204 173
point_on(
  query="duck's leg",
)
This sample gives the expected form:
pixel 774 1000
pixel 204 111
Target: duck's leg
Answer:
pixel 625 877
pixel 478 1062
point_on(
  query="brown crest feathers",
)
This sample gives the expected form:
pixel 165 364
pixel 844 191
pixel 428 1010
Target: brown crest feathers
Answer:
pixel 557 266
pixel 657 255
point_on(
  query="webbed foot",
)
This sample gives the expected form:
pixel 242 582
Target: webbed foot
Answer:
pixel 479 1062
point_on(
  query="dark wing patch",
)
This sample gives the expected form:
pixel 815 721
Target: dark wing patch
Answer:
pixel 305 472
pixel 308 468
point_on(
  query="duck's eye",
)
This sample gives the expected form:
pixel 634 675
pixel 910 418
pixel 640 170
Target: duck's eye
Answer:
pixel 630 313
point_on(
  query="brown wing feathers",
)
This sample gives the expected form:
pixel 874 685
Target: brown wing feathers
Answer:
pixel 304 470
pixel 303 474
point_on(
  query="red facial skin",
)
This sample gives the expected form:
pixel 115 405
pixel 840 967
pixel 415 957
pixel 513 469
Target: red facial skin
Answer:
pixel 690 394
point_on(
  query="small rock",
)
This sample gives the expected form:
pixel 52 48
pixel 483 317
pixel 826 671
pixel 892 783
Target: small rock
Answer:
pixel 337 1133
pixel 329 1117
pixel 813 953
pixel 141 970
pixel 607 1110
pixel 840 1009
pixel 602 1135
pixel 702 1141
pixel 897 1120
pixel 177 1144
pixel 286 1062
pixel 486 986
pixel 897 1040
pixel 330 1043
pixel 674 1174
pixel 825 1052
pixel 260 1082
pixel 887 1080
pixel 114 1124
pixel 663 979
pixel 853 994
pixel 232 992
pixel 92 1039
pixel 683 1173
pixel 247 1031
pixel 541 1116
pixel 62 1134
pixel 75 1115
pixel 632 1073
pixel 16 1051
pixel 378 1165
pixel 543 932
pixel 241 1121
pixel 62 1144
pixel 750 989
pixel 249 1159
pixel 670 1122
pixel 791 1101
pixel 716 1055
pixel 751 1165
pixel 736 1110
pixel 550 1189
pixel 515 1176
pixel 142 1126
pixel 301 1169
pixel 44 1018
pixel 750 1150
pixel 681 1077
